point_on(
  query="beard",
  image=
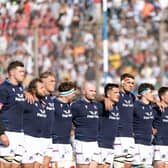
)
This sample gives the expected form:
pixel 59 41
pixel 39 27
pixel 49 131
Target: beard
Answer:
pixel 39 96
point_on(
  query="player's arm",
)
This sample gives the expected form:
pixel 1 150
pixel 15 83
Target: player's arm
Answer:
pixel 157 119
pixel 154 131
pixel 29 97
pixel 3 137
pixel 159 104
pixel 108 104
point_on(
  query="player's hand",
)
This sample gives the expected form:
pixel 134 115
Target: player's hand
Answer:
pixel 108 104
pixel 4 139
pixel 29 97
pixel 154 131
pixel 160 105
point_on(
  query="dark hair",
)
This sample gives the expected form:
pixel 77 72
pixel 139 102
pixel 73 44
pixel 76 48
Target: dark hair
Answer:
pixel 145 86
pixel 110 86
pixel 126 75
pixel 33 85
pixel 66 86
pixel 14 64
pixel 46 75
pixel 162 91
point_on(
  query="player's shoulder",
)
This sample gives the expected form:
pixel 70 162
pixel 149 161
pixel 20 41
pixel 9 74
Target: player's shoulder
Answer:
pixel 4 86
pixel 138 102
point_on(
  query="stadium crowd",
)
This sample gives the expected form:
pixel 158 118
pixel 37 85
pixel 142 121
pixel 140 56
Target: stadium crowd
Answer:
pixel 69 38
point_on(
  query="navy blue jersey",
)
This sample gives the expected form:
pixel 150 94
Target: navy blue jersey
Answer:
pixel 62 122
pixel 108 126
pixel 161 124
pixel 2 128
pixel 50 109
pixel 85 119
pixel 126 107
pixel 37 119
pixel 142 124
pixel 12 99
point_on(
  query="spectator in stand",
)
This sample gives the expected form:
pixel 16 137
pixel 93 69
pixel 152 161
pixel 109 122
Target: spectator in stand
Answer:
pixel 134 24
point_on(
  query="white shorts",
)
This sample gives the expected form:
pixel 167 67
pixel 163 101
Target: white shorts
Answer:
pixel 143 154
pixel 124 149
pixel 85 152
pixel 106 155
pixel 14 152
pixel 62 152
pixel 161 153
pixel 36 149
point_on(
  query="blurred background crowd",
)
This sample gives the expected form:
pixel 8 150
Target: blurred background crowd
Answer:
pixel 65 36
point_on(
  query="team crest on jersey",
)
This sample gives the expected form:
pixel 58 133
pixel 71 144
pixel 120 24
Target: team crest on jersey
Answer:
pixel 148 115
pixel 114 116
pixel 50 106
pixel 127 103
pixel 19 97
pixel 42 113
pixel 165 119
pixel 92 114
pixel 67 113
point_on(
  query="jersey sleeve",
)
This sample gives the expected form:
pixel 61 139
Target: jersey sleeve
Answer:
pixel 3 96
pixel 157 118
pixel 101 108
pixel 2 128
pixel 74 109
